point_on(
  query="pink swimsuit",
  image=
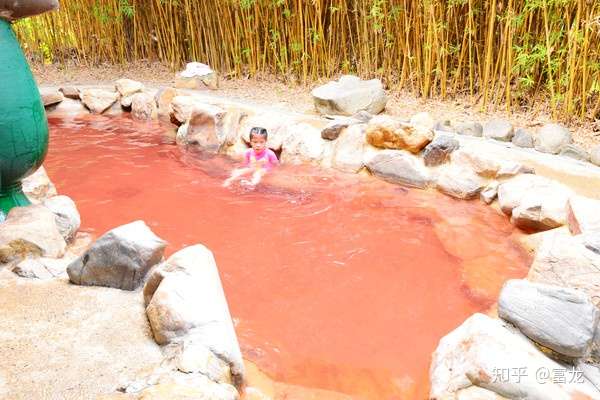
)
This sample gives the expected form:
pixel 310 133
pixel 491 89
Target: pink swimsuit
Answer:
pixel 265 159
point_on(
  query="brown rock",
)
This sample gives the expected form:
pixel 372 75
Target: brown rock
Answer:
pixel 387 133
pixel 70 92
pixel 98 100
pixel 164 97
pixel 51 97
pixel 143 106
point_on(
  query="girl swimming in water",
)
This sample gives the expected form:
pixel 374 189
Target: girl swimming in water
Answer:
pixel 258 160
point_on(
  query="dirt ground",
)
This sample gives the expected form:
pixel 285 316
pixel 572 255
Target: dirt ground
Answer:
pixel 272 90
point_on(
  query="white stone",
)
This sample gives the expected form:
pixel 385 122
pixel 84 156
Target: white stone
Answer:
pixel 474 353
pixel 349 149
pixel 38 186
pixel 67 215
pixel 481 164
pixel 303 143
pixel 187 298
pixel 551 138
pixel 143 106
pixel 488 194
pixel 30 230
pixel 349 95
pixel 460 183
pixel 127 87
pixel 98 100
pixel 583 214
pixel 400 167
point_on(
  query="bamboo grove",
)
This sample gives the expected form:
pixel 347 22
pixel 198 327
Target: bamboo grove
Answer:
pixel 507 53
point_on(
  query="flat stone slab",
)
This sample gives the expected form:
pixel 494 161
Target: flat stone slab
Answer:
pixel 349 95
pixel 396 166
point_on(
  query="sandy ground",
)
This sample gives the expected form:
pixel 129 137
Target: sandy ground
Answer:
pixel 62 341
pixel 271 90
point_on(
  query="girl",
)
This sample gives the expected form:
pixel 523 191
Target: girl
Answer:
pixel 258 160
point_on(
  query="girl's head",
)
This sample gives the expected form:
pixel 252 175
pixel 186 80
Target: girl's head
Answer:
pixel 258 138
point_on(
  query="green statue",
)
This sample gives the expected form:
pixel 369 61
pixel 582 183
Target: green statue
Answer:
pixel 23 123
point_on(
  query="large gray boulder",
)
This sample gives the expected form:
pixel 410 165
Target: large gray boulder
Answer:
pixel 460 183
pixel 349 95
pixel 67 215
pixel 438 151
pixel 185 298
pixel 13 10
pixel 534 202
pixel 486 353
pixel 30 230
pixel 551 138
pixel 120 258
pixel 498 129
pixel 559 318
pixel 396 166
pixel 595 155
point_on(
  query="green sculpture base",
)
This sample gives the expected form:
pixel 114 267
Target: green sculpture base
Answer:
pixel 10 197
pixel 23 123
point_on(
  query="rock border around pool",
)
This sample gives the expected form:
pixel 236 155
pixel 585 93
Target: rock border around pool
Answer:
pixel 495 162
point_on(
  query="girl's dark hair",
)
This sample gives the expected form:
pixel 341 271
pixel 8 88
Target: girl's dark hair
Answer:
pixel 257 130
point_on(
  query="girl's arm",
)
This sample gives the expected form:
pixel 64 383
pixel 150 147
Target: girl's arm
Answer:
pixel 273 158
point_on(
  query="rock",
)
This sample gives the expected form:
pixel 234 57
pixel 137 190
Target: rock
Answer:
pixel 187 298
pixel 29 231
pixel 399 167
pixel 422 121
pixel 583 214
pixel 489 193
pixel 574 151
pixel 444 126
pixel 349 148
pixel 197 358
pixel 349 95
pixel 189 387
pixel 438 151
pixel 197 76
pixel 387 133
pixel 523 138
pixel 590 372
pixel 332 131
pixel 498 129
pixel 13 10
pixel 143 106
pixel 128 87
pixel 469 129
pixel 595 155
pixel 204 126
pixel 70 92
pixel 534 202
pixel 66 214
pixel 38 186
pixel 477 393
pixel 459 183
pixel 126 102
pixel 559 318
pixel 551 138
pixel 275 123
pixel 485 353
pixel 33 269
pixel 483 165
pixel 302 143
pixel 508 169
pixel 591 241
pixel 564 260
pixel 182 107
pixel 98 100
pixel 51 97
pixel 181 136
pixel 120 258
pixel 68 107
pixel 362 116
pixel 164 97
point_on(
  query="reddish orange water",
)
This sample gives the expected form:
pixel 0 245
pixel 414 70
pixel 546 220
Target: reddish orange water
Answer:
pixel 335 281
